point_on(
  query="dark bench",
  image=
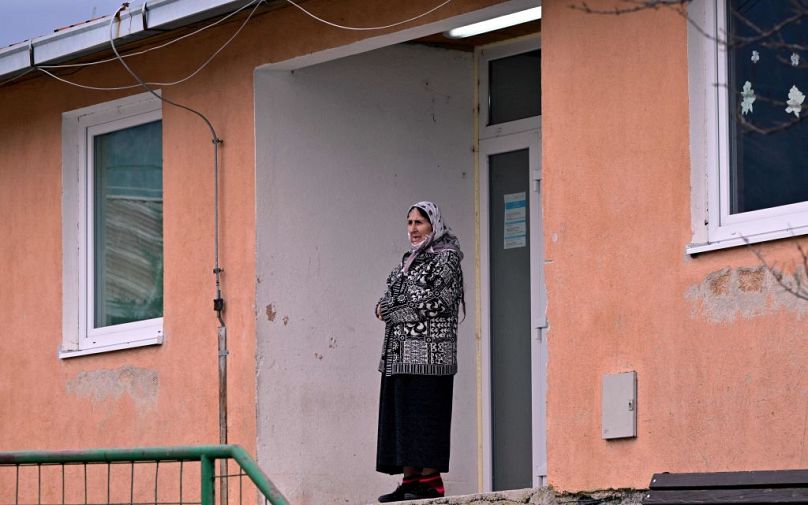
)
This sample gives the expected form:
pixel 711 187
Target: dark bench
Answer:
pixel 772 486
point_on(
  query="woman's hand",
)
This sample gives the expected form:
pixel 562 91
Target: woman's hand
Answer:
pixel 378 313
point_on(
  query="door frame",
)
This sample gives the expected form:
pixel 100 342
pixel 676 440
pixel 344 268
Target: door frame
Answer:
pixel 495 139
pixel 526 140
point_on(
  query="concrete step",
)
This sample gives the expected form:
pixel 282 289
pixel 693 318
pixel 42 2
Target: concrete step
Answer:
pixel 538 496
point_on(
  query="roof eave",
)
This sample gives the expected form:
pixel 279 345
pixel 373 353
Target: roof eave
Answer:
pixel 135 23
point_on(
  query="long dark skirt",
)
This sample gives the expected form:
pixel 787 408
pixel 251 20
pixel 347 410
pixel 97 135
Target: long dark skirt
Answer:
pixel 415 419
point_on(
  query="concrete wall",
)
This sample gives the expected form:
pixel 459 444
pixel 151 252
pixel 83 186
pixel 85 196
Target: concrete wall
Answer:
pixel 343 149
pixel 720 351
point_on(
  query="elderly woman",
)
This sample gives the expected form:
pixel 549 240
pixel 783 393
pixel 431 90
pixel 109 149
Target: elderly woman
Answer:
pixel 419 357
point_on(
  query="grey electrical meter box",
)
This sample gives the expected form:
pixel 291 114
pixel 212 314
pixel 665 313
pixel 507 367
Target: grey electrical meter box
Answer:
pixel 619 406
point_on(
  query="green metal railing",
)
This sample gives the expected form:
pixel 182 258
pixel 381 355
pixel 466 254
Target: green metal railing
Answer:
pixel 140 476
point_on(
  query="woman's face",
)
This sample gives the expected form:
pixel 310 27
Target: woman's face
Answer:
pixel 418 227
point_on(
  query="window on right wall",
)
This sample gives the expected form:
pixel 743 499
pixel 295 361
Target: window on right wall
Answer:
pixel 748 69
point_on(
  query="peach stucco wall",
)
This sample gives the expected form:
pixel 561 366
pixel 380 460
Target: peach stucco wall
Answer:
pixel 162 394
pixel 157 395
pixel 719 352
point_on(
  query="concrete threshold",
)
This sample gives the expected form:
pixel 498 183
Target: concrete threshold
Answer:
pixel 539 496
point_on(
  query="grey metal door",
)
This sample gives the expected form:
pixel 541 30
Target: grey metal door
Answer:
pixel 510 319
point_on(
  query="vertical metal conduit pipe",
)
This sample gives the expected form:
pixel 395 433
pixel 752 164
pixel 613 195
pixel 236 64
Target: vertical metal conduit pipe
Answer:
pixel 218 301
pixel 218 306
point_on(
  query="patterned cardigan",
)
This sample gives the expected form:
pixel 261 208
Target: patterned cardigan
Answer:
pixel 419 309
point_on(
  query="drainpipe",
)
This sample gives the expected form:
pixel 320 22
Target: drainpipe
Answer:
pixel 218 306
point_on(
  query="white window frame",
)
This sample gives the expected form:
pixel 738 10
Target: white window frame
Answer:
pixel 79 127
pixel 713 225
pixel 495 52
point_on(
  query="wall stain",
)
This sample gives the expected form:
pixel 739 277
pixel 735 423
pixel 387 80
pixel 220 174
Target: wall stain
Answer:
pixel 750 280
pixel 285 320
pixel 271 312
pixel 719 282
pixel 727 294
pixel 140 384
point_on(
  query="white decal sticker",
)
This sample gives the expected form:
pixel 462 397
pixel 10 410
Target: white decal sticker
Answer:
pixel 515 220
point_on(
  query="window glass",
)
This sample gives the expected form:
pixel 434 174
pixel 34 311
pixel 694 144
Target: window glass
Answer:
pixel 515 87
pixel 128 225
pixel 768 75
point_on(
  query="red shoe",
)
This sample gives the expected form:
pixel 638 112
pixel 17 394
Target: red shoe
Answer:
pixel 429 486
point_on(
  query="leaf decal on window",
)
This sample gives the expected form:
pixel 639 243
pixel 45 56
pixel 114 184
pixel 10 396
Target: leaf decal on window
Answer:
pixel 795 59
pixel 795 99
pixel 755 57
pixel 748 95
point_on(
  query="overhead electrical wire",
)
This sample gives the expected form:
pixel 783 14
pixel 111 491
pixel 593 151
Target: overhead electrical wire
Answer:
pixel 42 68
pixel 222 20
pixel 368 28
pixel 254 3
pixel 87 86
pixel 27 71
pixel 214 138
pixel 218 301
pixel 161 46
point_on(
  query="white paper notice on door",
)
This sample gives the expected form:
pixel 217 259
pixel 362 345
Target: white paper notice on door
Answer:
pixel 515 220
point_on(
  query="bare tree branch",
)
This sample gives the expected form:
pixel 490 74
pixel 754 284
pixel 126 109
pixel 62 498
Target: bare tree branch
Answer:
pixel 678 6
pixel 800 13
pixel 635 6
pixel 793 283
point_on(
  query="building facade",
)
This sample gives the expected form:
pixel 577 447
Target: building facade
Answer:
pixel 612 210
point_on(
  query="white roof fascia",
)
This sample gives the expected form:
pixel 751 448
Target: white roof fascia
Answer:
pixel 167 14
pixel 15 58
pixel 86 38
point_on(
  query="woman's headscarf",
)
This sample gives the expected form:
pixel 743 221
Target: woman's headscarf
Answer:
pixel 441 238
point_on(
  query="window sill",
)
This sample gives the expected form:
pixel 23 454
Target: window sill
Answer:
pixel 694 249
pixel 67 354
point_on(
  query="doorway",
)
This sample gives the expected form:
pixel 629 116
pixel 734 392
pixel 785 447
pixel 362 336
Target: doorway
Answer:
pixel 343 149
pixel 354 140
pixel 512 260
